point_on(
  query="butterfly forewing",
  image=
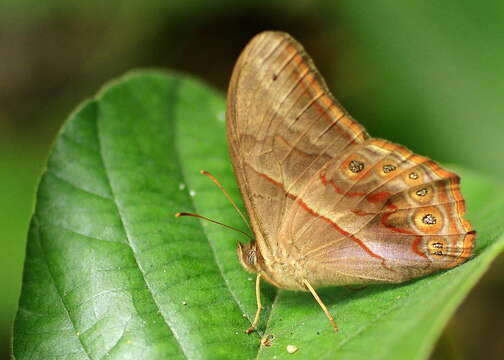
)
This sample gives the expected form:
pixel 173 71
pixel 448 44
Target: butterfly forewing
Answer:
pixel 346 208
pixel 283 125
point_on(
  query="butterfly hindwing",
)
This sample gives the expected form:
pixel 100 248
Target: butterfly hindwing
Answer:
pixel 395 216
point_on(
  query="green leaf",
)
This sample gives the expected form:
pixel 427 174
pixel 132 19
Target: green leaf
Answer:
pixel 111 273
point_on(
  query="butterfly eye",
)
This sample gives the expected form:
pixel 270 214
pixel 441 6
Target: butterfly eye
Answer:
pixel 251 257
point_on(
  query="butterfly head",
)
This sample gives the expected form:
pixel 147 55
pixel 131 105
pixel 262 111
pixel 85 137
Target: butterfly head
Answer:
pixel 249 256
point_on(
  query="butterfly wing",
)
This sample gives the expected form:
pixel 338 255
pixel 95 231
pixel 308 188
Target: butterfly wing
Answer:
pixel 318 189
pixel 283 126
pixel 379 213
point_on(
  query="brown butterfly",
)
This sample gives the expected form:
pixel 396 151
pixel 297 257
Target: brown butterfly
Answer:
pixel 329 205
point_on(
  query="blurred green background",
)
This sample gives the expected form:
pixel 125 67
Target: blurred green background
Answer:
pixel 428 74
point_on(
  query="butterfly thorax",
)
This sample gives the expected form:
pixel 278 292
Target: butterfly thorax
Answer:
pixel 281 270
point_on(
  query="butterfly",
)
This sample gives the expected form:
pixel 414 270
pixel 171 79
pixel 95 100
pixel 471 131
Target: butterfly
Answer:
pixel 328 204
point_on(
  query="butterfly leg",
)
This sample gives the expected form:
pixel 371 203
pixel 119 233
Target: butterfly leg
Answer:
pixel 315 295
pixel 259 306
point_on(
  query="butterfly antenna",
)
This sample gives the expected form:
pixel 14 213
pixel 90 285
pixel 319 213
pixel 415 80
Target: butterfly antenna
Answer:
pixel 227 195
pixel 213 221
